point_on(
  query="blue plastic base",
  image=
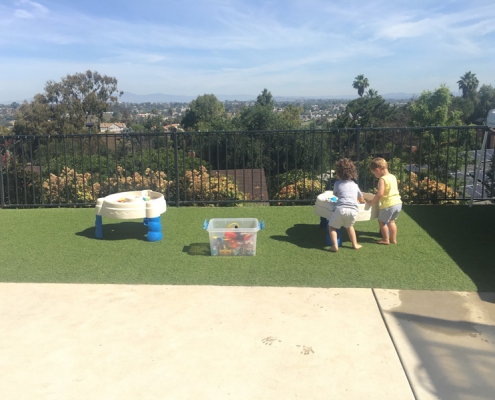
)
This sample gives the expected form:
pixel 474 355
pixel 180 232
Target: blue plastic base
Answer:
pixel 98 227
pixel 153 224
pixel 323 222
pixel 154 229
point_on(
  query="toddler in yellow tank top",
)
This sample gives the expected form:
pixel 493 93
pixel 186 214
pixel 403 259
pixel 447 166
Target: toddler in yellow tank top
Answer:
pixel 388 198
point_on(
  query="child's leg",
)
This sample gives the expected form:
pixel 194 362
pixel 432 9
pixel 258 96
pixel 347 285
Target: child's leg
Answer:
pixel 384 229
pixel 334 239
pixel 393 231
pixel 352 235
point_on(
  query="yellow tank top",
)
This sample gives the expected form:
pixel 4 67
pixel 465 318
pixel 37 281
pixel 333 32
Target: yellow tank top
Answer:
pixel 391 195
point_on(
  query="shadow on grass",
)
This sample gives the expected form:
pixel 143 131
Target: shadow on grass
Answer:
pixel 466 234
pixel 197 249
pixel 365 237
pixel 120 231
pixel 311 236
pixel 307 236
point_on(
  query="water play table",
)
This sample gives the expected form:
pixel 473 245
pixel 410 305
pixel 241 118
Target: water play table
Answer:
pixel 145 204
pixel 324 207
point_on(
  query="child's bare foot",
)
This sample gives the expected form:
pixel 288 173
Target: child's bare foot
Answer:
pixel 334 249
pixel 393 241
pixel 357 247
pixel 383 242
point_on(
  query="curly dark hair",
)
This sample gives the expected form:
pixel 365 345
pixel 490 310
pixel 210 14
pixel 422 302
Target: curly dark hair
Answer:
pixel 346 170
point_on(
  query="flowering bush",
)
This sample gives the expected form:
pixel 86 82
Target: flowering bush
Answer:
pixel 69 187
pixel 73 187
pixel 300 190
pixel 427 190
pixel 200 186
pixel 152 180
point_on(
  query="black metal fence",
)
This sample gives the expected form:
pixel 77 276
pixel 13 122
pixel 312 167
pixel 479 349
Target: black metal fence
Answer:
pixel 432 164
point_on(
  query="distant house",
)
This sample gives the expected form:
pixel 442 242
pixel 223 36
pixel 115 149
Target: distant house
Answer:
pixel 112 127
pixel 172 128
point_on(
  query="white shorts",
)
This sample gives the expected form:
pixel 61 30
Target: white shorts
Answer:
pixel 343 217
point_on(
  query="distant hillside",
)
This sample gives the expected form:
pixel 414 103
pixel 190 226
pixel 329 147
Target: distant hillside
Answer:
pixel 128 97
pixel 174 98
pixel 168 98
pixel 154 98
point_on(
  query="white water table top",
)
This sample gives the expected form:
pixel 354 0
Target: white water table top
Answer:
pixel 132 205
pixel 324 207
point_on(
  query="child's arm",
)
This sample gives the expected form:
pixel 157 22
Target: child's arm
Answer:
pixel 336 189
pixel 379 193
pixel 361 199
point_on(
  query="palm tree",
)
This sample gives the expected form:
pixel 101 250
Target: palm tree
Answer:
pixel 360 84
pixel 468 84
pixel 372 93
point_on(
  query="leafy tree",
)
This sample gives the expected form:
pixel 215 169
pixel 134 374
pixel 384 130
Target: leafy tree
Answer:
pixel 360 83
pixel 465 106
pixel 38 118
pixel 206 113
pixel 126 116
pixel 366 111
pixel 486 96
pixel 468 84
pixel 260 116
pixel 371 93
pixel 138 128
pixel 437 146
pixel 265 99
pixel 432 109
pixel 290 117
pixel 65 106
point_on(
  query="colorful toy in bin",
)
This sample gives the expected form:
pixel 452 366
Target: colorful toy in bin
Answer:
pixel 233 237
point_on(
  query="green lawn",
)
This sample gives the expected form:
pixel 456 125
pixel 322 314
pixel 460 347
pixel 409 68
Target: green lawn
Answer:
pixel 440 248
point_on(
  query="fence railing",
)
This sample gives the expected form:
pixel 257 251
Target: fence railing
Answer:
pixel 432 164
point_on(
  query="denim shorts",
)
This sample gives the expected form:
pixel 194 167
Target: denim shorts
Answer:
pixel 390 213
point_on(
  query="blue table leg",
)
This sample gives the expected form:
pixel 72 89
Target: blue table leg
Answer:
pixel 154 229
pixel 99 227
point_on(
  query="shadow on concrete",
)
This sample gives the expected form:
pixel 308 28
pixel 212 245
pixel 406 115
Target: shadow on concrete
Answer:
pixel 119 231
pixel 466 234
pixel 457 358
pixel 489 297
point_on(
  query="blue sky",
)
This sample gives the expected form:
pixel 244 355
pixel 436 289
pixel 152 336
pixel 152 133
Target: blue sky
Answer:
pixel 292 48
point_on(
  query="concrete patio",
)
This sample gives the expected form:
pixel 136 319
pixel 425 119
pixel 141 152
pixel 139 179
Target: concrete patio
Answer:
pixel 60 341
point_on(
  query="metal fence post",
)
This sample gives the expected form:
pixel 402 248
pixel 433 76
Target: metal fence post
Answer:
pixel 358 146
pixel 2 192
pixel 176 156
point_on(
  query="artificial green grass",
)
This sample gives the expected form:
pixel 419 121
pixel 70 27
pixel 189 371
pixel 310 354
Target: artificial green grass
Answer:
pixel 440 248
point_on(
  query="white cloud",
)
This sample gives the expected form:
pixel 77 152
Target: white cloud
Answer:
pixel 22 14
pixel 242 45
pixel 30 9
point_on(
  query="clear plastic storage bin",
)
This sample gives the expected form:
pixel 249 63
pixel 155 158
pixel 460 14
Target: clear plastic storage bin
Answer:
pixel 233 236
